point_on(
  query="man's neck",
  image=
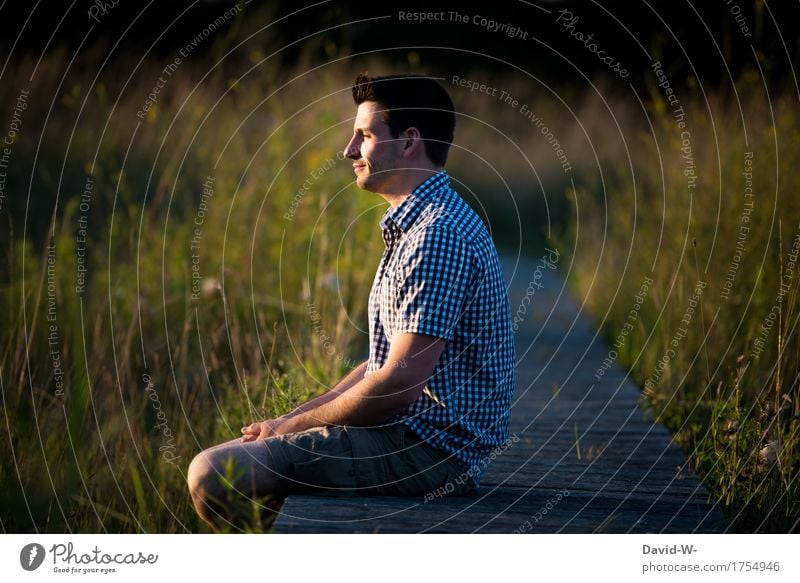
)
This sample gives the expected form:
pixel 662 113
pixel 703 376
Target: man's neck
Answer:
pixel 412 178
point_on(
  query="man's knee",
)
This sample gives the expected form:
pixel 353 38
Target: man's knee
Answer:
pixel 218 472
pixel 204 479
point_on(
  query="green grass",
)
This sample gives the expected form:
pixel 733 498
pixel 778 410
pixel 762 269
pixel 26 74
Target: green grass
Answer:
pixel 111 453
pixel 732 404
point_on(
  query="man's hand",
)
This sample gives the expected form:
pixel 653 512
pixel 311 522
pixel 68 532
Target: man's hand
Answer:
pixel 265 429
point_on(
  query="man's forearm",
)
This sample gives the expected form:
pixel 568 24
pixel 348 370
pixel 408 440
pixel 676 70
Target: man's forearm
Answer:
pixel 349 381
pixel 372 401
pixel 365 400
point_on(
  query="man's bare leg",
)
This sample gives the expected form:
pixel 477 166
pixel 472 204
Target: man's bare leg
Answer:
pixel 229 473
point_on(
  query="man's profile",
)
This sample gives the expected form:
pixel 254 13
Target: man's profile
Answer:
pixel 432 402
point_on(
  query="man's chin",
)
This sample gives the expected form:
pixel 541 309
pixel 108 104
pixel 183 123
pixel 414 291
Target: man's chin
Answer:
pixel 364 183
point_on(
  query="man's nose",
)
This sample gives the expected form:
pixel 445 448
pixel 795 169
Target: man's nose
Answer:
pixel 352 150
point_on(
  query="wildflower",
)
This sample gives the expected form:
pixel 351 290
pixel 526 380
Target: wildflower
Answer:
pixel 210 286
pixel 768 456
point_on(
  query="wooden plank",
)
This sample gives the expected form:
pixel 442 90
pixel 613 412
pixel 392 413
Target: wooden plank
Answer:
pixel 500 511
pixel 570 431
pixel 598 479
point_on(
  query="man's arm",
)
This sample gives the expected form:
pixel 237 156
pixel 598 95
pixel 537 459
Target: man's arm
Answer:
pixel 252 431
pixel 352 378
pixel 372 399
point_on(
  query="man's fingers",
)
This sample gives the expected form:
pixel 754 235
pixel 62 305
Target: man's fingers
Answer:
pixel 260 430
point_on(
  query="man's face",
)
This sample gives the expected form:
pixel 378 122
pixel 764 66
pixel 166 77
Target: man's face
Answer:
pixel 375 153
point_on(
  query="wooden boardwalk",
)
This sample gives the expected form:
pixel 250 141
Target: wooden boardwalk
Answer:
pixel 584 459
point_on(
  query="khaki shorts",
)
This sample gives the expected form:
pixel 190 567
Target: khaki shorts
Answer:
pixel 356 460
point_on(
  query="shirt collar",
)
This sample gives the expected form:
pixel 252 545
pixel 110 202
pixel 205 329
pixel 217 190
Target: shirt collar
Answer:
pixel 407 211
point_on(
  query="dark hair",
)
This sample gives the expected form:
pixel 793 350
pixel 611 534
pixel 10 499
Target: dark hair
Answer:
pixel 412 101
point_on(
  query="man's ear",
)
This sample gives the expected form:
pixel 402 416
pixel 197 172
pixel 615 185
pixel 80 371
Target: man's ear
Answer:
pixel 412 141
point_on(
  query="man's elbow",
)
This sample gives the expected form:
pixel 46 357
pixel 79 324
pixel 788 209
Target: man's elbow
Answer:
pixel 404 387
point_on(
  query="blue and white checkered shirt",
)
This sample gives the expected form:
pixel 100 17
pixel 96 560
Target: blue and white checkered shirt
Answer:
pixel 440 276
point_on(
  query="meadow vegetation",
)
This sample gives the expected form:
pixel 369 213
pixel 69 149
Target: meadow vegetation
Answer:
pixel 206 266
pixel 714 221
pixel 173 275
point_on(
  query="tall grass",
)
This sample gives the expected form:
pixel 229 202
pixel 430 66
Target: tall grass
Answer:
pixel 155 363
pixel 716 344
pixel 109 391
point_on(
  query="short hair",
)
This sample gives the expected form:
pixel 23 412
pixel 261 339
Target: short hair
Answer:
pixel 412 101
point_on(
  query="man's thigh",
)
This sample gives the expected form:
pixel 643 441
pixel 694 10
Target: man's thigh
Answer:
pixel 274 466
pixel 383 461
pixel 341 460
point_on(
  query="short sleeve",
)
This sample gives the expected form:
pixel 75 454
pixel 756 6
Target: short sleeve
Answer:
pixel 432 279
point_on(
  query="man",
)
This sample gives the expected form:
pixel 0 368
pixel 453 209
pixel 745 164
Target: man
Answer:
pixel 424 413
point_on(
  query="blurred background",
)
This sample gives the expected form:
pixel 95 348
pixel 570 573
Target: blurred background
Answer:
pixel 183 250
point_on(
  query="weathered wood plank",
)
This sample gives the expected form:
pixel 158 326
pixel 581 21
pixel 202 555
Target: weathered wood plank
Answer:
pixel 661 481
pixel 504 510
